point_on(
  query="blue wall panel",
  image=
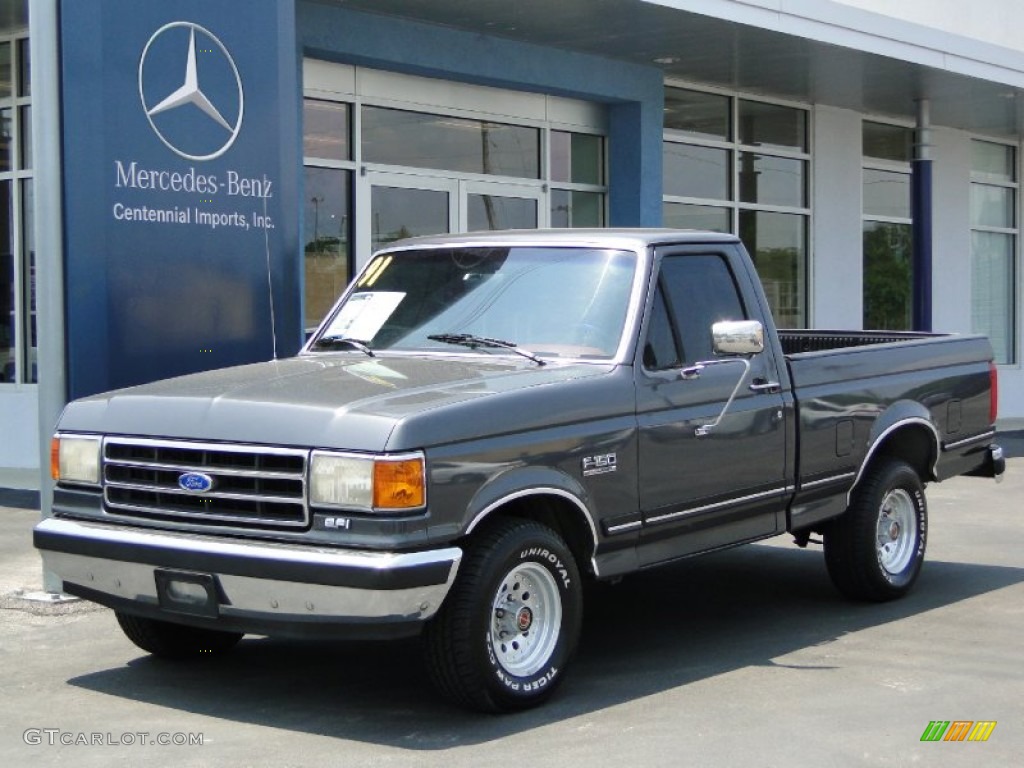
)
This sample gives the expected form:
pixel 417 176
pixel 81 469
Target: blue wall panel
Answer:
pixel 634 93
pixel 167 241
pixel 181 162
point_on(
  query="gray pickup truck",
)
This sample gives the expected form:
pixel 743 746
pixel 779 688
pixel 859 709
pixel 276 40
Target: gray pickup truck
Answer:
pixel 483 423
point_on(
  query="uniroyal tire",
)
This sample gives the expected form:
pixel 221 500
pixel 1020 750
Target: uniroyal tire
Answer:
pixel 175 641
pixel 875 550
pixel 509 626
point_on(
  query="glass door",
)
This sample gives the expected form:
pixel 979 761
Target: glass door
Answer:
pixel 488 206
pixel 409 205
pixel 404 206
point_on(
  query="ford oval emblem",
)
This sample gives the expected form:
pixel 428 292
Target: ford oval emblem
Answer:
pixel 195 482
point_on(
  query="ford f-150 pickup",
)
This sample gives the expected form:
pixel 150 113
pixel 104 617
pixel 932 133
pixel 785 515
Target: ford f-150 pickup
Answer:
pixel 485 421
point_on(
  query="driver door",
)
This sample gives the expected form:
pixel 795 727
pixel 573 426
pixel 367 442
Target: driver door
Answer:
pixel 702 491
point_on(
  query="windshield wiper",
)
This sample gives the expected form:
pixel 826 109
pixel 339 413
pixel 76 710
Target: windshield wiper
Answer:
pixel 354 343
pixel 471 341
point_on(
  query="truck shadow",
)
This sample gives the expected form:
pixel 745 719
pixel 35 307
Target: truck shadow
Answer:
pixel 654 632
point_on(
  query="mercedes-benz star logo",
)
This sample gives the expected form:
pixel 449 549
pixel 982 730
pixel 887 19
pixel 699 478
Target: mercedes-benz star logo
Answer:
pixel 212 135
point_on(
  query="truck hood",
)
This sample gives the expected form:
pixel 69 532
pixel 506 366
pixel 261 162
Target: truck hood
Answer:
pixel 337 400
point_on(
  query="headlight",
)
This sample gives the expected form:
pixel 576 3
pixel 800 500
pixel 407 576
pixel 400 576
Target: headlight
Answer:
pixel 381 484
pixel 75 459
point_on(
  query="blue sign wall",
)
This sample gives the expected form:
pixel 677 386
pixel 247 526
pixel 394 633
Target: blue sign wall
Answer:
pixel 181 161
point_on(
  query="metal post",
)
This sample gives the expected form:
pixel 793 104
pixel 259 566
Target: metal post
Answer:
pixel 921 212
pixel 44 33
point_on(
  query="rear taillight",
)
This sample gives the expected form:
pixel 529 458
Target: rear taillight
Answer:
pixel 993 397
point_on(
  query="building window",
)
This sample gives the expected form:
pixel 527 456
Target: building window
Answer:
pixel 453 161
pixel 327 220
pixel 18 340
pixel 739 165
pixel 994 230
pixel 577 174
pixel 888 262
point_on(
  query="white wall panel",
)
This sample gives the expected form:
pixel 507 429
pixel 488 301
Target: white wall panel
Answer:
pixel 19 439
pixel 951 231
pixel 836 280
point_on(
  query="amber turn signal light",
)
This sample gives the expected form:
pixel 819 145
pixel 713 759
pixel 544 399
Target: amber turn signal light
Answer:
pixel 399 484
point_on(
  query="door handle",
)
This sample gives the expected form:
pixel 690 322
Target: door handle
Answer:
pixel 763 385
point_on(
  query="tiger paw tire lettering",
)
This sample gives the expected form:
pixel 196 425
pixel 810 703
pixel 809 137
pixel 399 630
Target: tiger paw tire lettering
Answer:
pixel 509 628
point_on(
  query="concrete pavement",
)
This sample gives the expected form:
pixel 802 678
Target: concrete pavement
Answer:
pixel 746 657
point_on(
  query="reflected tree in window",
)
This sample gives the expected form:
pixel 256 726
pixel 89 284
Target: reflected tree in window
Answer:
pixel 887 276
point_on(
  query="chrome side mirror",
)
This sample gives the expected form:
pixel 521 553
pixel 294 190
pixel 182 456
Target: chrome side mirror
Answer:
pixel 737 337
pixel 737 341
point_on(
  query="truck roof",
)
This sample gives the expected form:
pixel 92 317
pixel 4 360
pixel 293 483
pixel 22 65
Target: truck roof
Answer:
pixel 632 239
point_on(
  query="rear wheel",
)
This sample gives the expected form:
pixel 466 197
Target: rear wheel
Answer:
pixel 876 549
pixel 175 641
pixel 506 632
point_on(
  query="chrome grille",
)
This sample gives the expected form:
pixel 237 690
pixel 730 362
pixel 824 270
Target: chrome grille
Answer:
pixel 251 485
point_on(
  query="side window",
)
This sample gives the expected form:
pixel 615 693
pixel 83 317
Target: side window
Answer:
pixel 661 349
pixel 700 291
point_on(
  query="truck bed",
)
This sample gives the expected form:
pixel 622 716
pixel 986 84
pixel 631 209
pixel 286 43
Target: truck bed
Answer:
pixel 795 341
pixel 851 387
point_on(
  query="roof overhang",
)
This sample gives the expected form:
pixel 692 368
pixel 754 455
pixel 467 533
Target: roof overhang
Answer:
pixel 810 52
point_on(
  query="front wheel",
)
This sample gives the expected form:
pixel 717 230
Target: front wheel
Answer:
pixel 175 641
pixel 875 550
pixel 506 632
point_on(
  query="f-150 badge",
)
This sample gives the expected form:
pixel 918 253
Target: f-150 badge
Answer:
pixel 600 465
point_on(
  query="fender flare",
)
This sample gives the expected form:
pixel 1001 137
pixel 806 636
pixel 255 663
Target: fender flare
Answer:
pixel 899 416
pixel 526 482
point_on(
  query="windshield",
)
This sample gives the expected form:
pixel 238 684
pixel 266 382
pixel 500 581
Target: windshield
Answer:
pixel 555 302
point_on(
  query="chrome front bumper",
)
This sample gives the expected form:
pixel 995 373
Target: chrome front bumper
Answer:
pixel 258 587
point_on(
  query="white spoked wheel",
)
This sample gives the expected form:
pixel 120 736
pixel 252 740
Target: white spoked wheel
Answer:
pixel 527 618
pixel 896 532
pixel 507 631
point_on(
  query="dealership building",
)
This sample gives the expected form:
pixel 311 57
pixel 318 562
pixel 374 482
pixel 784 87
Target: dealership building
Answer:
pixel 190 184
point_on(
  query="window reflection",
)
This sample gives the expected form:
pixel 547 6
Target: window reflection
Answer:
pixel 778 244
pixel 571 208
pixel 694 171
pixel 696 114
pixel 327 251
pixel 994 253
pixel 30 366
pixel 325 132
pixel 577 157
pixel 492 212
pixel 992 162
pixel 26 137
pixel 992 280
pixel 421 140
pixel 712 180
pixel 398 213
pixel 6 82
pixel 888 142
pixel 886 193
pixel 888 275
pixel 992 206
pixel 6 139
pixel 8 353
pixel 772 180
pixel 704 217
pixel 772 126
